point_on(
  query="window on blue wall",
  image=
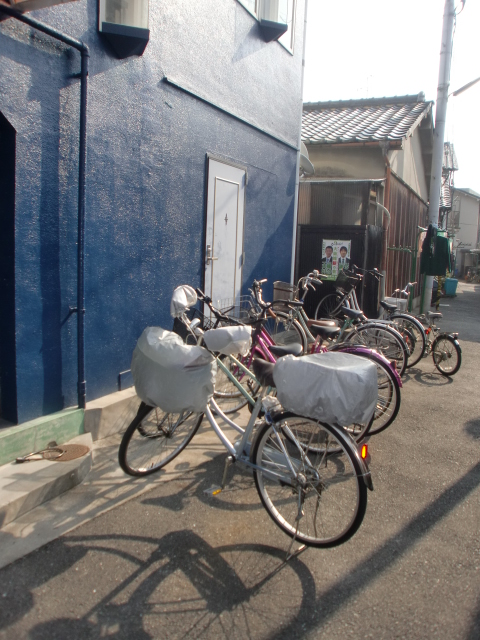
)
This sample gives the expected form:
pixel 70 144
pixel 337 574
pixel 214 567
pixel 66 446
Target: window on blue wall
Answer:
pixel 275 11
pixel 124 25
pixel 131 13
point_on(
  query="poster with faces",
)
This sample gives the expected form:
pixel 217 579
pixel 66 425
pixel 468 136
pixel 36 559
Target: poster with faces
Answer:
pixel 335 257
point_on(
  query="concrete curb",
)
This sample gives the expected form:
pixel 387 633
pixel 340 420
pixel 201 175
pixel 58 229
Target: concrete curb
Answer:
pixel 25 486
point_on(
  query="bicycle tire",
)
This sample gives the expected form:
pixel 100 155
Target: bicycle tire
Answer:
pixel 147 436
pixel 444 348
pixel 389 397
pixel 329 306
pixel 383 339
pixel 416 327
pixel 327 492
pixel 388 401
pixel 285 331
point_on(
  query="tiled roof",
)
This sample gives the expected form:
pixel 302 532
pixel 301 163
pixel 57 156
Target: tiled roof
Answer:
pixel 369 120
pixel 449 157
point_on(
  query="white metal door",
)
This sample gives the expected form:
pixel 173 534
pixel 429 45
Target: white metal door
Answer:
pixel 224 236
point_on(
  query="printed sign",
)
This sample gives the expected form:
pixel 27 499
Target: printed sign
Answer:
pixel 335 257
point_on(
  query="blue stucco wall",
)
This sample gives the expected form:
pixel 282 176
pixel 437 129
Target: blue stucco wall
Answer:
pixel 146 165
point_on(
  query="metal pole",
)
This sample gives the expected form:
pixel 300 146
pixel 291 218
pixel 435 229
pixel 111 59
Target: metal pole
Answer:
pixel 439 132
pixel 80 309
pixel 297 177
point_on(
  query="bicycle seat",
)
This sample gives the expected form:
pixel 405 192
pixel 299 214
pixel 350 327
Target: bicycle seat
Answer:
pixel 322 323
pixel 327 333
pixel 287 303
pixel 353 313
pixel 434 314
pixel 287 350
pixel 263 371
pixel 387 306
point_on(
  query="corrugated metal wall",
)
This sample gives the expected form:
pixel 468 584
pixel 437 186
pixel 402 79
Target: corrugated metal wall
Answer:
pixel 408 211
pixel 332 203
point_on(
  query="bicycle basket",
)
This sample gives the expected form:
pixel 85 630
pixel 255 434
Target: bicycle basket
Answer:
pixel 170 374
pixel 243 308
pixel 284 291
pixel 347 279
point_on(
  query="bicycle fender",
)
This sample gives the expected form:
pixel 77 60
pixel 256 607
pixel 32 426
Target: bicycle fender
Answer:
pixel 365 472
pixel 453 336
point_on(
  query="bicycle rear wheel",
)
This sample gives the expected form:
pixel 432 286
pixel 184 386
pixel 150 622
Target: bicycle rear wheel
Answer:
pixel 388 401
pixel 323 502
pixel 388 398
pixel 383 339
pixel 154 438
pixel 285 331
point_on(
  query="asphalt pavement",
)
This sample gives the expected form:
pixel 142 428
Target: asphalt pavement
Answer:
pixel 174 562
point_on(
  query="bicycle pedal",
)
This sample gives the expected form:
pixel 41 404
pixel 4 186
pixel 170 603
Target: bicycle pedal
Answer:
pixel 213 491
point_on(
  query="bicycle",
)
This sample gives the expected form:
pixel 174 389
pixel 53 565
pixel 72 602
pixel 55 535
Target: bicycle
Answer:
pixel 345 296
pixel 264 346
pixel 444 347
pixel 310 476
pixel 404 321
pixel 369 333
pixel 389 381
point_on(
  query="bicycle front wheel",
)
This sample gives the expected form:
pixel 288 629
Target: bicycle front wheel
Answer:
pixel 285 331
pixel 383 339
pixel 309 480
pixel 227 395
pixel 154 438
pixel 447 355
pixel 405 322
pixel 330 306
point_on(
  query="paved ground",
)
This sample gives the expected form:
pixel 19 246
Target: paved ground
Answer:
pixel 174 563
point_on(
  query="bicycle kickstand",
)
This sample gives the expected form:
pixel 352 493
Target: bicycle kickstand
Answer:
pixel 215 489
pixel 302 547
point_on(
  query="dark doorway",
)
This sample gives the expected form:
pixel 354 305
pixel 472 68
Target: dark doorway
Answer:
pixel 8 381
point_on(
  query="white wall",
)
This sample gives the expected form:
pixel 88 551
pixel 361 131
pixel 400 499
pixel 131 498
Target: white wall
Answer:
pixel 348 163
pixel 466 237
pixel 407 163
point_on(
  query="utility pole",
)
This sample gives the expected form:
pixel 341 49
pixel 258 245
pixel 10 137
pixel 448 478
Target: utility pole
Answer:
pixel 439 133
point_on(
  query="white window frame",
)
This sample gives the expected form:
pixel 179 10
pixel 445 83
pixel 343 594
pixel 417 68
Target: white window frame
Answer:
pixel 287 40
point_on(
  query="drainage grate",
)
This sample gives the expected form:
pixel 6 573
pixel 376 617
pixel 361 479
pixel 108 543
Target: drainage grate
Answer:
pixel 71 451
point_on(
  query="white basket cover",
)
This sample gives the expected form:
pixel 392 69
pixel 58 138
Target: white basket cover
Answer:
pixel 336 388
pixel 183 298
pixel 170 374
pixel 229 340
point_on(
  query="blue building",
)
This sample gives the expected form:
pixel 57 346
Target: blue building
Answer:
pixel 192 129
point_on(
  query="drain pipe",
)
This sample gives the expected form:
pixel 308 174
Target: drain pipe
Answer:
pixel 386 220
pixel 383 265
pixel 80 308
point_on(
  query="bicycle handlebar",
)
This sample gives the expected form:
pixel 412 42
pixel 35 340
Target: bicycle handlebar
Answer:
pixel 373 272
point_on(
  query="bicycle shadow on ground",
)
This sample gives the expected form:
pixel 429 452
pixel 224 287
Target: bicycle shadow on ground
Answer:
pixel 397 546
pixel 431 378
pixel 472 427
pixel 187 588
pixel 239 493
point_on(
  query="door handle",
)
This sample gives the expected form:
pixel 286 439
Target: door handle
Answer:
pixel 209 257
